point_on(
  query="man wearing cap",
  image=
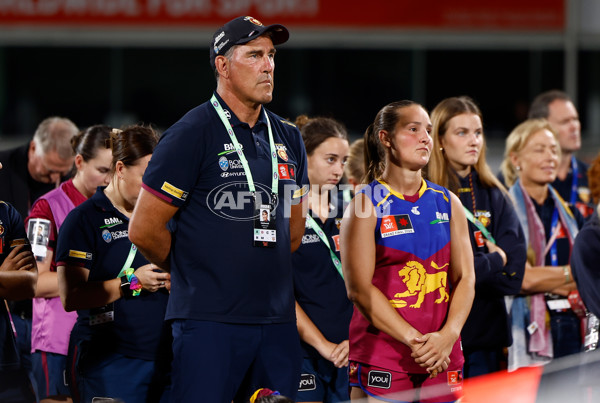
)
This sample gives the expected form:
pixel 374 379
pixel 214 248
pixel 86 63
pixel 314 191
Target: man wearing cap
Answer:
pixel 199 217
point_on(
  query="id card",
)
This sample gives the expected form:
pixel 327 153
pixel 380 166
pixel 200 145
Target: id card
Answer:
pixel 265 233
pixel 38 231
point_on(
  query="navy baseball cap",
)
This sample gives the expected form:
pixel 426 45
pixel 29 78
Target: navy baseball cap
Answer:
pixel 243 30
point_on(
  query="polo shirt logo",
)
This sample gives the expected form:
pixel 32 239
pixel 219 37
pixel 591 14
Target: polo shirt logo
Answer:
pixel 79 254
pixel 106 236
pixel 224 163
pixel 173 191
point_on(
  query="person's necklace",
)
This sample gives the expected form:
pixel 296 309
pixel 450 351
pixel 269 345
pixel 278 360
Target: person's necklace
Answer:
pixel 121 209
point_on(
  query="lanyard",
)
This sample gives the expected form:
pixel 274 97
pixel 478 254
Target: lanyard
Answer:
pixel 315 227
pixel 575 172
pixel 554 226
pixel 129 260
pixel 275 183
pixel 479 226
pixel 12 324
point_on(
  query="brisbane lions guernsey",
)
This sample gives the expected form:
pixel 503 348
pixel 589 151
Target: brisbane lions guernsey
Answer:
pixel 412 238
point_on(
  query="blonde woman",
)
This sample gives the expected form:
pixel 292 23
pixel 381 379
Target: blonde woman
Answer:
pixel 530 165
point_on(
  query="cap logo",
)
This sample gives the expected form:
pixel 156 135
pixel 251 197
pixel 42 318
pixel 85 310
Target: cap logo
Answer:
pixel 219 47
pixel 254 21
pixel 219 37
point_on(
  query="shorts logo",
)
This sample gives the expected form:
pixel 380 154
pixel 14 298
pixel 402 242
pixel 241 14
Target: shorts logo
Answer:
pixel 396 225
pixel 173 191
pixel 307 382
pixel 106 236
pixel 80 255
pixel 380 379
pixel 224 163
pixel 455 378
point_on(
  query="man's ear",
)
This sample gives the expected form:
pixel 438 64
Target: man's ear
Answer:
pixel 222 66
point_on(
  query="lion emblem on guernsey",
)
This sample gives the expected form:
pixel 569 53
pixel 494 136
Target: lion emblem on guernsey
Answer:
pixel 419 282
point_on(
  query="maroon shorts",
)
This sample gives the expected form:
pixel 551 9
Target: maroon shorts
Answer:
pixel 394 386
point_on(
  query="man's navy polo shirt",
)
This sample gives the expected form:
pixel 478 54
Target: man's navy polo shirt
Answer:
pixel 319 289
pixel 216 272
pixel 11 227
pixel 95 236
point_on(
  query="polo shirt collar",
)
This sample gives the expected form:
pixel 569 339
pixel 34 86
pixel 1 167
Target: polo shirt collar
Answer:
pixel 101 201
pixel 234 121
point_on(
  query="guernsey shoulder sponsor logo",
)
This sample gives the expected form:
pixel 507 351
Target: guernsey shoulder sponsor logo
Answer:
pixel 396 225
pixel 174 191
pixel 79 254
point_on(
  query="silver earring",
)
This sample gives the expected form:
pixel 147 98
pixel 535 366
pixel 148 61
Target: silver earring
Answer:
pixel 518 168
pixel 442 149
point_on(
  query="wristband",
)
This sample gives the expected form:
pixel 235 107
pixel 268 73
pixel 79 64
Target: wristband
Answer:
pixel 566 273
pixel 130 285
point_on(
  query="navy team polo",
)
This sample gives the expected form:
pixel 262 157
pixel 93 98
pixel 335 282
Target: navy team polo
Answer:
pixel 11 227
pixel 318 287
pixel 216 272
pixel 95 236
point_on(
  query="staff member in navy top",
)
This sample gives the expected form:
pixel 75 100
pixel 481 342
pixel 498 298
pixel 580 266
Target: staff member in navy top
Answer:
pixel 120 337
pixel 323 309
pixel 199 215
pixel 499 248
pixel 18 279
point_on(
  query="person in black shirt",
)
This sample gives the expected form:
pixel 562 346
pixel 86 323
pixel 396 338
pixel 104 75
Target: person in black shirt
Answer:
pixel 458 162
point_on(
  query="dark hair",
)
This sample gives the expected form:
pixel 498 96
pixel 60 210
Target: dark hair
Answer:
pixel 87 142
pixel 539 106
pixel 317 130
pixel 387 118
pixel 131 144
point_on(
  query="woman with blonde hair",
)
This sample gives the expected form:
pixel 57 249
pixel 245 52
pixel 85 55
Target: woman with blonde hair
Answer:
pixel 458 163
pixel 529 167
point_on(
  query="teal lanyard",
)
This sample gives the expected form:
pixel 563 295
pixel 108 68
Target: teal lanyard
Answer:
pixel 479 226
pixel 129 260
pixel 275 176
pixel 315 227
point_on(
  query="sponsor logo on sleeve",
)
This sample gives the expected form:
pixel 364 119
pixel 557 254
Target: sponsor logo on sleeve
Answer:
pixel 174 191
pixel 396 225
pixel 298 193
pixel 79 254
pixel 380 379
pixel 307 382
